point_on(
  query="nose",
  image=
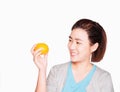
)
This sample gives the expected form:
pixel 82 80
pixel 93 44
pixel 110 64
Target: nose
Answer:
pixel 72 45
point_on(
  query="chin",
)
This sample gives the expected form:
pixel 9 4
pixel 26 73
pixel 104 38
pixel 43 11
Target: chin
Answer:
pixel 74 60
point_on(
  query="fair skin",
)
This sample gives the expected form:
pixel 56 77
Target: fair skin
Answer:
pixel 41 63
pixel 80 54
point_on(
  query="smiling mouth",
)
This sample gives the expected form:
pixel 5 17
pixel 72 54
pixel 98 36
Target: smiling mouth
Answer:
pixel 73 54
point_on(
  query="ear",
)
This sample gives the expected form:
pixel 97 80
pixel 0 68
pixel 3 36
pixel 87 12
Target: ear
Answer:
pixel 94 47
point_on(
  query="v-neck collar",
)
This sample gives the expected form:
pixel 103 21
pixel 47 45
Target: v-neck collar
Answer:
pixel 85 80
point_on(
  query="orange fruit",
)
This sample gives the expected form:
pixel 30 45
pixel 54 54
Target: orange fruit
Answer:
pixel 44 48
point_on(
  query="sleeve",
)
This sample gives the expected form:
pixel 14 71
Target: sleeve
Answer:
pixel 106 84
pixel 51 81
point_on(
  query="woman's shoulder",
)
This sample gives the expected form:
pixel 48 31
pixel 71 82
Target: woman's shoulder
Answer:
pixel 59 70
pixel 61 66
pixel 101 71
pixel 101 74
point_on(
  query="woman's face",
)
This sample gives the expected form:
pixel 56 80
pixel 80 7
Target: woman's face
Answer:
pixel 79 46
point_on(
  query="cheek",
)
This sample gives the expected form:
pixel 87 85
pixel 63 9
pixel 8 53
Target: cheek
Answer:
pixel 84 49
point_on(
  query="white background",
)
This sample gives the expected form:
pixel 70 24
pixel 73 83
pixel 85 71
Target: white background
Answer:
pixel 26 22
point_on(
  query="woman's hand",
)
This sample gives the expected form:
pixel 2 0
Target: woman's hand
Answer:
pixel 39 59
pixel 41 62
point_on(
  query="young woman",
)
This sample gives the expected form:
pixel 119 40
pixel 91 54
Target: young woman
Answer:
pixel 87 44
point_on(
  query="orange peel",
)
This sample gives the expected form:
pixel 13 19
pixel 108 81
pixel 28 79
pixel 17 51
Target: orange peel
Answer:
pixel 43 46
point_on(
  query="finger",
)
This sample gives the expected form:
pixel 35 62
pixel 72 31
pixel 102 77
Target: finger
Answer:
pixel 38 54
pixel 32 49
pixel 46 56
pixel 38 51
pixel 36 57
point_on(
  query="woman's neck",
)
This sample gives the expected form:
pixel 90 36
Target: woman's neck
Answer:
pixel 80 70
pixel 81 66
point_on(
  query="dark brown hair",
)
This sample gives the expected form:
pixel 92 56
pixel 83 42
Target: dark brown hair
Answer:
pixel 96 34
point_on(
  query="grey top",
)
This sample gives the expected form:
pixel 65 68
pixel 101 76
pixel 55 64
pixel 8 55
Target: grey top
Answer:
pixel 101 80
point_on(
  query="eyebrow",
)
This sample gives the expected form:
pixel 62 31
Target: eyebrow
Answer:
pixel 78 39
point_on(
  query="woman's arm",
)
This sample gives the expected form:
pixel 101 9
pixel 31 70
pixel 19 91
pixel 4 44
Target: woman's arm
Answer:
pixel 41 63
pixel 41 82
